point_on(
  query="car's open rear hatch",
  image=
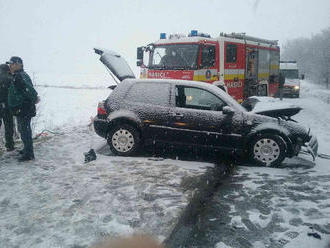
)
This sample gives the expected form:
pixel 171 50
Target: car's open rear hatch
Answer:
pixel 116 64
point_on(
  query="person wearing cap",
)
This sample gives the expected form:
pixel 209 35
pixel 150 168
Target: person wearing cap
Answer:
pixel 5 113
pixel 22 98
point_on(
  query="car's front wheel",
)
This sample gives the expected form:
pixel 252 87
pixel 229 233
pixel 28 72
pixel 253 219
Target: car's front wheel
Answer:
pixel 124 140
pixel 267 150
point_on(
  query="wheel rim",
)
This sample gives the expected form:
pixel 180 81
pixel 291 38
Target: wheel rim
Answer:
pixel 122 140
pixel 266 151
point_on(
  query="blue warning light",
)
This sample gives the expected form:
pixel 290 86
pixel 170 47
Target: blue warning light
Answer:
pixel 162 36
pixel 193 33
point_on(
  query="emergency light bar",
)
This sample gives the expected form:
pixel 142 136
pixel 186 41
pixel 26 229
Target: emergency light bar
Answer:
pixel 195 33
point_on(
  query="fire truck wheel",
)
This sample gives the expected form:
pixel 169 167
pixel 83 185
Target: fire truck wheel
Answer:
pixel 267 150
pixel 124 140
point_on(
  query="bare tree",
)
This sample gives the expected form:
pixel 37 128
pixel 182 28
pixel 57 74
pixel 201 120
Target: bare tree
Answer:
pixel 312 55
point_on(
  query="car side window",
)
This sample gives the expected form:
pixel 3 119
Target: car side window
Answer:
pixel 196 98
pixel 150 93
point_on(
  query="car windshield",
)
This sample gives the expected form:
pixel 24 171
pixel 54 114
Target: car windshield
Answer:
pixel 290 74
pixel 174 57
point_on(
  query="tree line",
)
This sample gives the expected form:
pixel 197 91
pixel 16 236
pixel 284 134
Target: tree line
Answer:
pixel 312 56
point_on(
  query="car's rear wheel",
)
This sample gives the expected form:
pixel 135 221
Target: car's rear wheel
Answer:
pixel 267 150
pixel 124 140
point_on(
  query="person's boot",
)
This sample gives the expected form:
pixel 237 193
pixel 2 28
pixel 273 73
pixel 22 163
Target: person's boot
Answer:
pixel 10 149
pixel 25 158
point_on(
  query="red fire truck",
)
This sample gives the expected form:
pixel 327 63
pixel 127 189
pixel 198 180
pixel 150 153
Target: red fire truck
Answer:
pixel 243 65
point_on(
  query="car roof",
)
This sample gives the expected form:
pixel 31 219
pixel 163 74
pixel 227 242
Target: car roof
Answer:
pixel 173 81
pixel 203 85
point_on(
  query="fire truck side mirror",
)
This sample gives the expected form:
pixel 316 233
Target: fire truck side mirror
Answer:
pixel 139 53
pixel 139 56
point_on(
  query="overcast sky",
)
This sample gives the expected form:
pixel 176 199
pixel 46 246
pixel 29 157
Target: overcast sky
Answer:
pixel 57 37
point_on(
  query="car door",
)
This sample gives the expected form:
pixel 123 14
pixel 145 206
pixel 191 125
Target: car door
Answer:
pixel 197 117
pixel 150 102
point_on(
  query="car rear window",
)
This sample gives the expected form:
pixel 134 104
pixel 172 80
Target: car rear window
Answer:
pixel 150 93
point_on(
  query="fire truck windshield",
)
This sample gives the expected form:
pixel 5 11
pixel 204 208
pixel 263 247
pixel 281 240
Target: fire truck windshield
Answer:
pixel 174 57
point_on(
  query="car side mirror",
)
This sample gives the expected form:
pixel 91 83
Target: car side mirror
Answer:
pixel 228 110
pixel 250 103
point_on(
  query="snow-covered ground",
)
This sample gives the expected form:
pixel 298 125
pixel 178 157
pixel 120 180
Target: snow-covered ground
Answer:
pixel 58 201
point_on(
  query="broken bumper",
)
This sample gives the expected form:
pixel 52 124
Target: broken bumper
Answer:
pixel 312 147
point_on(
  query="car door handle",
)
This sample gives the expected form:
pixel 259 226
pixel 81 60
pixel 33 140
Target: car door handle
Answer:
pixel 176 115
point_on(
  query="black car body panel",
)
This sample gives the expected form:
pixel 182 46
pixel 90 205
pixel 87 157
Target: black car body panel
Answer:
pixel 197 127
pixel 101 127
pixel 191 113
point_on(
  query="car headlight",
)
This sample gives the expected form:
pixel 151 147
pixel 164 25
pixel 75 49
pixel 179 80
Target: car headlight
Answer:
pixel 296 87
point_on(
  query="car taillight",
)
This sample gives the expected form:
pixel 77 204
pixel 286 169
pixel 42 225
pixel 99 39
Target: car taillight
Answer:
pixel 101 109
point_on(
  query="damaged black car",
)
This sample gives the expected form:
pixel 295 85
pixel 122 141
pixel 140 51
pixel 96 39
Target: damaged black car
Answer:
pixel 189 113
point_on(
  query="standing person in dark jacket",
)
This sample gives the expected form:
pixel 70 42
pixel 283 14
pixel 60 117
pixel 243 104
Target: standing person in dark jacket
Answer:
pixel 5 114
pixel 22 98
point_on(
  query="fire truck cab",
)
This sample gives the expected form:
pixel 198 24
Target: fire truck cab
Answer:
pixel 242 65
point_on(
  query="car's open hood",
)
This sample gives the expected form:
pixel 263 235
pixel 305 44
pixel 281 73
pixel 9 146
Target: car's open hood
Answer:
pixel 115 63
pixel 283 112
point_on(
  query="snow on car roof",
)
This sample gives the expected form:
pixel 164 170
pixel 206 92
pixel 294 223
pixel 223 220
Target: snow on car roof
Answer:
pixel 203 85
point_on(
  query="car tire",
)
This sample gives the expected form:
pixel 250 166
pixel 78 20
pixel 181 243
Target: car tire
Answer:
pixel 267 150
pixel 124 140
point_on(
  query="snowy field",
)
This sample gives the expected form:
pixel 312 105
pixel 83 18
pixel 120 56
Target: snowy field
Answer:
pixel 58 201
pixel 65 107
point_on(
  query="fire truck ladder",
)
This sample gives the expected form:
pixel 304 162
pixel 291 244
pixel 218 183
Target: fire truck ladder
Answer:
pixel 243 36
